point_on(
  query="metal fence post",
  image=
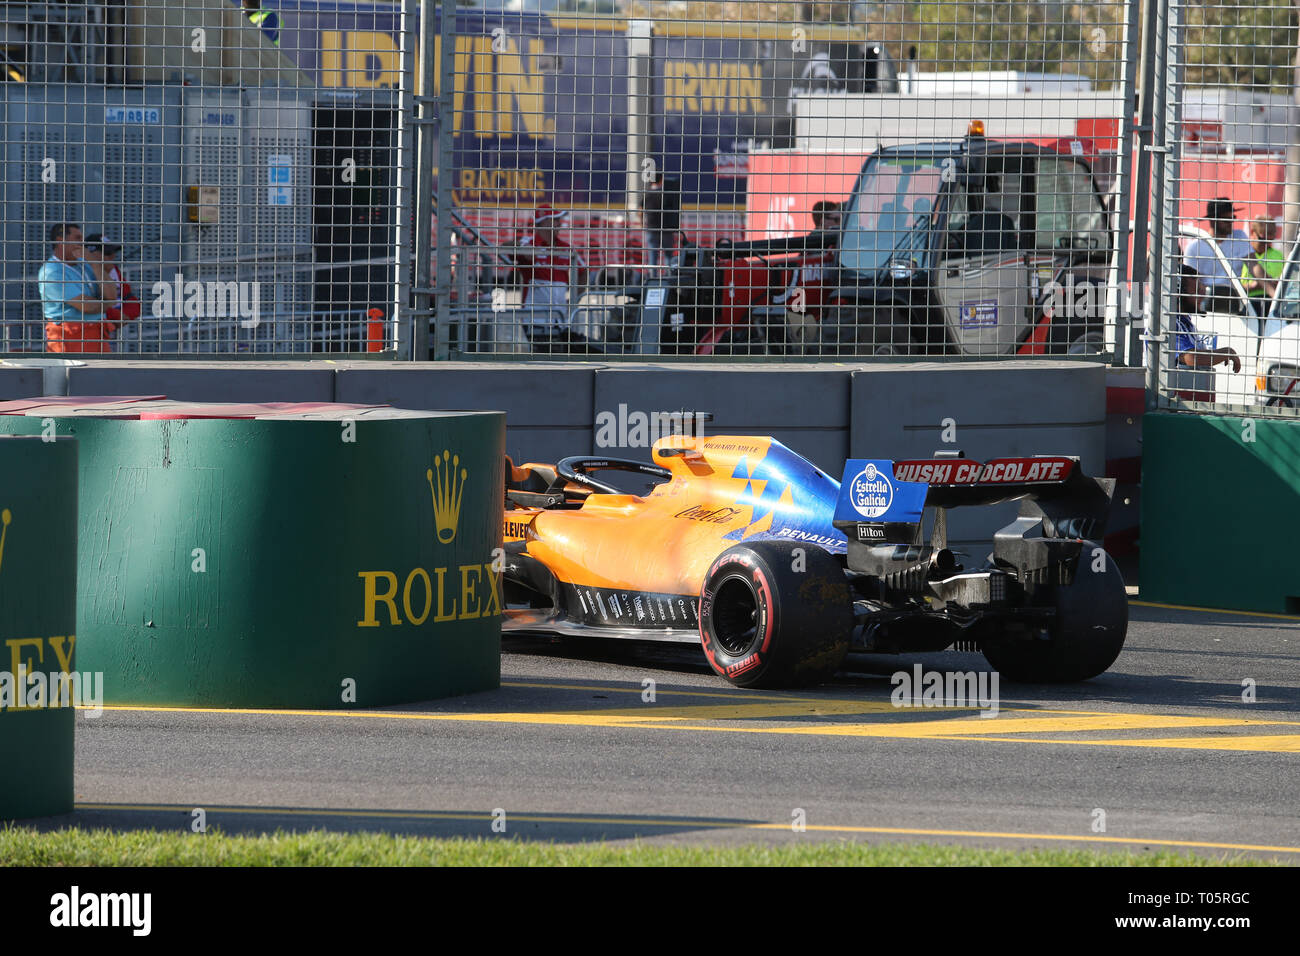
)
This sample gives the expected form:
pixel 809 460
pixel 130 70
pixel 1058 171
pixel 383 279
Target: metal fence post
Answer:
pixel 1145 129
pixel 427 156
pixel 446 174
pixel 1124 342
pixel 407 134
pixel 1164 131
pixel 1291 196
pixel 640 108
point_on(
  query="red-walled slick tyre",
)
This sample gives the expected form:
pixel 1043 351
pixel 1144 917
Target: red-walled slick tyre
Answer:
pixel 775 614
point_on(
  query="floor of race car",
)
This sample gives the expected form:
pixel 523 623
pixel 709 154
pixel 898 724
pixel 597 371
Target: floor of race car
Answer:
pixel 573 750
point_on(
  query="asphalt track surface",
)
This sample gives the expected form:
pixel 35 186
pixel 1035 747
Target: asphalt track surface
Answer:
pixel 1164 744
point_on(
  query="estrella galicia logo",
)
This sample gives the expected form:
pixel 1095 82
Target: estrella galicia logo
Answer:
pixel 871 493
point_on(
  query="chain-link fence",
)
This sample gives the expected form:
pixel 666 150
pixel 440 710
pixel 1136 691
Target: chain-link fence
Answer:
pixel 789 179
pixel 1227 172
pixel 633 177
pixel 206 176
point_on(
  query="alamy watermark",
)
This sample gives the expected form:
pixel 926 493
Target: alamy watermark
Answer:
pixel 638 429
pixel 1081 299
pixel 75 909
pixel 958 689
pixel 208 299
pixel 38 690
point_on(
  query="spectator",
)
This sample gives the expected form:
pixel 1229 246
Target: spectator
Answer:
pixel 826 215
pixel 1263 268
pixel 73 297
pixel 663 219
pixel 811 273
pixel 546 262
pixel 1214 281
pixel 546 265
pixel 101 253
pixel 268 21
pixel 1193 354
pixel 987 229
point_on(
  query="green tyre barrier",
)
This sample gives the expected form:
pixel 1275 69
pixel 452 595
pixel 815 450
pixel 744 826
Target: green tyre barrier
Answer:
pixel 290 563
pixel 1220 511
pixel 38 592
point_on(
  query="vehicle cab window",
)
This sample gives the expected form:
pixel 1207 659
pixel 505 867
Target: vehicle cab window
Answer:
pixel 889 214
pixel 981 222
pixel 1069 213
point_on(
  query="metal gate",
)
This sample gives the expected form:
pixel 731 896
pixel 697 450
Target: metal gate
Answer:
pixel 797 180
pixel 1223 335
pixel 244 169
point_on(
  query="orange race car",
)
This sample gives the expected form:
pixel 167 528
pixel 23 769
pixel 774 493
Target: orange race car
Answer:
pixel 777 570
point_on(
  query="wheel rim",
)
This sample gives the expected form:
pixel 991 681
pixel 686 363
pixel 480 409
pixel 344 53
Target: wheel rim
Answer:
pixel 735 615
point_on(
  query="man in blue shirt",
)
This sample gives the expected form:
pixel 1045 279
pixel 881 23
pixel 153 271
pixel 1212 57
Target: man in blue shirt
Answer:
pixel 1216 281
pixel 73 297
pixel 1194 354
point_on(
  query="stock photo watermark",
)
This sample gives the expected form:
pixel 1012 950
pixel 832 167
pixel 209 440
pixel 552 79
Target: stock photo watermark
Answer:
pixel 973 690
pixel 624 428
pixel 208 299
pixel 23 689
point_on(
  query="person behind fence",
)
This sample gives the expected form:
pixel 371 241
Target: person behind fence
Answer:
pixel 1193 355
pixel 1213 278
pixel 987 229
pixel 546 266
pixel 663 219
pixel 805 294
pixel 546 263
pixel 73 297
pixel 101 253
pixel 268 21
pixel 1263 268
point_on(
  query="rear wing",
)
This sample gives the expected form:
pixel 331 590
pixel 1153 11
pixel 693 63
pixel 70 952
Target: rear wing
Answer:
pixel 884 501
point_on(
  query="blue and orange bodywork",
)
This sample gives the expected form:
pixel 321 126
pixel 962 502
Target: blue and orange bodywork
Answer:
pixel 638 562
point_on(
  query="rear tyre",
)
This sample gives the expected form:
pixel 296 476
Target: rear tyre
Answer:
pixel 1084 638
pixel 775 614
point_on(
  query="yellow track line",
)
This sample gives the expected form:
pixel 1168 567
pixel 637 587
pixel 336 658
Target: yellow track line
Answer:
pixel 789 706
pixel 703 824
pixel 1216 610
pixel 973 729
pixel 732 693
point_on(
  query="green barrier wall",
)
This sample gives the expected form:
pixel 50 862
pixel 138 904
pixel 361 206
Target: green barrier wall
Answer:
pixel 1220 513
pixel 289 563
pixel 38 593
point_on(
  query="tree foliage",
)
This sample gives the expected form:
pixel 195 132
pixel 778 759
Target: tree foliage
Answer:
pixel 1249 43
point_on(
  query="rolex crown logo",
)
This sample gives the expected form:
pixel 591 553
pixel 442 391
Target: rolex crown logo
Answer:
pixel 5 517
pixel 447 485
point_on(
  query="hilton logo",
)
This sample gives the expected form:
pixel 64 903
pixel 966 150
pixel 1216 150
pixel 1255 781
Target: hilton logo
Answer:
pixel 5 518
pixel 447 494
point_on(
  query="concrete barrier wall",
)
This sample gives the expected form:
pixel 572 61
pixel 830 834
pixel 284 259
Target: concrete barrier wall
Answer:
pixel 989 411
pixel 826 412
pixel 548 406
pixel 207 381
pixel 1125 406
pixel 18 382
